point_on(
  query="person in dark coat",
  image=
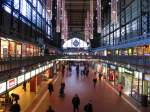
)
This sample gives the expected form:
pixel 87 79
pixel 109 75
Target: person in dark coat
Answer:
pixel 94 81
pixel 76 103
pixel 62 88
pixel 50 109
pixel 50 88
pixel 15 108
pixel 88 107
pixel 15 97
pixel 24 86
pixel 77 69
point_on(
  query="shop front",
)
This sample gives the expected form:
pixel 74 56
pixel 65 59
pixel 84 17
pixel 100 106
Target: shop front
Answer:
pixel 104 70
pixel 112 74
pixel 12 50
pixel 131 81
pixel 18 49
pixel 125 77
pixel 4 48
pixel 146 86
pixel 137 86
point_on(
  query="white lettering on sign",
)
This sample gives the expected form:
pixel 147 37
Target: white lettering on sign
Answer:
pixel 20 79
pixel 11 83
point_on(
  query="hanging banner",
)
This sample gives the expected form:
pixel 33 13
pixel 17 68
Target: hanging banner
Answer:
pixel 58 15
pixel 99 16
pixel 114 11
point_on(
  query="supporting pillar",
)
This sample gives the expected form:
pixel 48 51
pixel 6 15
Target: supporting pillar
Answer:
pixel 33 84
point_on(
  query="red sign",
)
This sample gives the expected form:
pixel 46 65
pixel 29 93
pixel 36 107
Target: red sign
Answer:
pixel 11 83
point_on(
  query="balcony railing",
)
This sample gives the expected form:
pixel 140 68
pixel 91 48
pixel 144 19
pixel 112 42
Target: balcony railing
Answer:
pixel 132 60
pixel 17 62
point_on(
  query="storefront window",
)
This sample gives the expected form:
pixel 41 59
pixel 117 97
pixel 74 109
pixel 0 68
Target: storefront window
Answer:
pixel 147 50
pixel 4 48
pixel 130 52
pixel 12 48
pixel 24 50
pixel 126 80
pixel 30 50
pixel 18 49
pixel 137 85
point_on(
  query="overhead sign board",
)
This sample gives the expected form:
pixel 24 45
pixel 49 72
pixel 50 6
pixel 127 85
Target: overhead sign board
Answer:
pixel 2 87
pixel 11 83
pixel 20 79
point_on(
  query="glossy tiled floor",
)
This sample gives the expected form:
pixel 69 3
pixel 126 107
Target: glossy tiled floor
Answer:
pixel 103 98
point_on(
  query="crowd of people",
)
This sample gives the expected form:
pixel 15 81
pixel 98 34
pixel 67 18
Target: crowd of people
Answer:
pixel 82 70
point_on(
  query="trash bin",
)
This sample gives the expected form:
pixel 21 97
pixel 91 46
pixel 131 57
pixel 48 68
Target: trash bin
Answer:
pixel 144 100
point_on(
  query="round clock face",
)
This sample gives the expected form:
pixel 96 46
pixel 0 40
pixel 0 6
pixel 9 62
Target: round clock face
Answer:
pixel 76 43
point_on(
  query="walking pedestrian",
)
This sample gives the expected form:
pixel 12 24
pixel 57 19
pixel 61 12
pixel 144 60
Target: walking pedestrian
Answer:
pixel 76 103
pixel 15 97
pixel 50 88
pixel 63 70
pixel 24 86
pixel 77 69
pixel 15 107
pixel 120 87
pixel 50 109
pixel 88 107
pixel 100 76
pixel 94 81
pixel 62 87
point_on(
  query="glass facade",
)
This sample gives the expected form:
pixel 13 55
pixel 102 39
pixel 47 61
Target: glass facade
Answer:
pixel 31 12
pixel 133 22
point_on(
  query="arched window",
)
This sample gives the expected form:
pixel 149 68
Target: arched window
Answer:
pixel 75 43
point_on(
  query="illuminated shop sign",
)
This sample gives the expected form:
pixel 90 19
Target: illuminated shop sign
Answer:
pixel 128 71
pixel 50 65
pixel 57 62
pixel 11 83
pixel 37 71
pixel 120 69
pixel 41 69
pixel 113 67
pixel 20 79
pixel 32 73
pixel 27 76
pixel 147 77
pixel 137 75
pixel 46 67
pixel 2 87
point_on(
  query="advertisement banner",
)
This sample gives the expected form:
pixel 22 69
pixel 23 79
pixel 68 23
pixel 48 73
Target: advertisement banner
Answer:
pixel 27 76
pixel 11 83
pixel 41 69
pixel 32 73
pixel 37 71
pixel 2 87
pixel 20 79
